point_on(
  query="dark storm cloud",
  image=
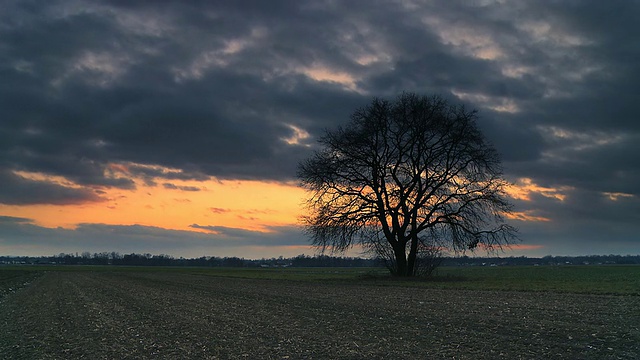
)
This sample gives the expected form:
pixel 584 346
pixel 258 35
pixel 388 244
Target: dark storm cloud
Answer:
pixel 599 162
pixel 178 90
pixel 17 190
pixel 97 98
pixel 210 87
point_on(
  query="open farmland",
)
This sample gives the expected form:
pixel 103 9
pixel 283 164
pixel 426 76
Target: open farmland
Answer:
pixel 107 313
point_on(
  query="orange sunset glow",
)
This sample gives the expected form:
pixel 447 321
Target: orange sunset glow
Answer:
pixel 249 205
pixel 190 205
pixel 525 187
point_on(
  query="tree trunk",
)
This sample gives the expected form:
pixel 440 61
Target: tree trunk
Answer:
pixel 401 260
pixel 413 253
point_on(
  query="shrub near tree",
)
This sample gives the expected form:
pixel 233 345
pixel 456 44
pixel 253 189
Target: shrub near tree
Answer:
pixel 406 179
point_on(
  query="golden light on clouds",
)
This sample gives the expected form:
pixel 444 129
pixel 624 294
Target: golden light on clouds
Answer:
pixel 581 140
pixel 615 196
pixel 525 187
pixel 526 216
pixel 298 137
pixel 470 40
pixel 321 73
pixel 495 103
pixel 36 176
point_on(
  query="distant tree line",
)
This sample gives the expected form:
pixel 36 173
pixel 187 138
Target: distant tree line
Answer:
pixel 134 259
pixel 115 258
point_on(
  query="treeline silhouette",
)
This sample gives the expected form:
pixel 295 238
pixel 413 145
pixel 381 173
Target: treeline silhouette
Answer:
pixel 115 258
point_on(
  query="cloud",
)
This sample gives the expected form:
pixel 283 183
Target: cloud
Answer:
pixel 29 238
pixel 168 85
pixel 14 220
pixel 162 92
pixel 183 188
pixel 225 231
pixel 18 190
pixel 583 222
pixel 216 210
pixel 270 236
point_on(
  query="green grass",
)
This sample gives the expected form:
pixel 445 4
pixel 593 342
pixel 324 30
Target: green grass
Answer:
pixel 592 279
pixel 612 279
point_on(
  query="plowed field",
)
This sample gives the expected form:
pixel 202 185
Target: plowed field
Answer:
pixel 170 315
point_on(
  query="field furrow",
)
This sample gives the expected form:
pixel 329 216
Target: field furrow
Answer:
pixel 170 315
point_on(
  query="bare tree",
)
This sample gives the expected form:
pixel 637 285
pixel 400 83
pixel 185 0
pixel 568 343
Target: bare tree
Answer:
pixel 406 179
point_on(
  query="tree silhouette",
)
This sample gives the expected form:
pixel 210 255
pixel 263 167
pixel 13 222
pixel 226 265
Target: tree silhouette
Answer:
pixel 406 179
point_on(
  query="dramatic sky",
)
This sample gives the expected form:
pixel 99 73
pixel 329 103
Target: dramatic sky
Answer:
pixel 176 126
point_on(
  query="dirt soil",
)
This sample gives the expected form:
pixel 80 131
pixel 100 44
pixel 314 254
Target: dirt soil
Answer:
pixel 155 315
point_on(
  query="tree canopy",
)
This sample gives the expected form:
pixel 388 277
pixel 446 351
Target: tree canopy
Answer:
pixel 406 179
